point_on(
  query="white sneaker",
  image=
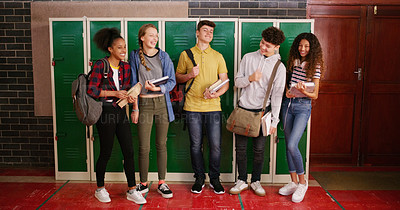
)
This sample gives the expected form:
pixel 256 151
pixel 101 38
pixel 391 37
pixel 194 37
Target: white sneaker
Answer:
pixel 288 189
pixel 258 189
pixel 102 195
pixel 135 196
pixel 239 187
pixel 300 192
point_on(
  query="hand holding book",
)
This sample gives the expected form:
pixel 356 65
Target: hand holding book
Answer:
pixel 308 86
pixel 133 92
pixel 215 87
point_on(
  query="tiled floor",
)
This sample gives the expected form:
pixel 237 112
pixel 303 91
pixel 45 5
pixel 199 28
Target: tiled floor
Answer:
pixel 38 190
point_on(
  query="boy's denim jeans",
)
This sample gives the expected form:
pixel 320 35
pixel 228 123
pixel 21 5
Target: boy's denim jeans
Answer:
pixel 212 124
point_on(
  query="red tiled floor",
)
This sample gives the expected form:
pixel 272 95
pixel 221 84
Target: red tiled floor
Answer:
pixel 26 172
pixel 25 195
pixel 367 199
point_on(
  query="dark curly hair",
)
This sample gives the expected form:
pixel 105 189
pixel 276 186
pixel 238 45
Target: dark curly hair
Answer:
pixel 313 58
pixel 273 35
pixel 106 37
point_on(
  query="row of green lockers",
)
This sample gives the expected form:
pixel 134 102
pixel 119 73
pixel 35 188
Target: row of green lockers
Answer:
pixel 68 54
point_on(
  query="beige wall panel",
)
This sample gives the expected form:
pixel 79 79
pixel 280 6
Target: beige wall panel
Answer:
pixel 42 11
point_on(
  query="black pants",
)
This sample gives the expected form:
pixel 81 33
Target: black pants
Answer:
pixel 241 156
pixel 113 121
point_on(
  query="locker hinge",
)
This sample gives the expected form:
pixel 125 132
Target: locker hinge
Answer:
pixel 375 10
pixel 83 35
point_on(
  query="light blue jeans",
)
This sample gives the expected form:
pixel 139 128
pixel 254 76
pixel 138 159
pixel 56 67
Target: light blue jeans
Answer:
pixel 295 113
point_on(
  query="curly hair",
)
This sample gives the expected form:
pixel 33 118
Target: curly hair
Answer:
pixel 105 37
pixel 273 35
pixel 142 32
pixel 313 58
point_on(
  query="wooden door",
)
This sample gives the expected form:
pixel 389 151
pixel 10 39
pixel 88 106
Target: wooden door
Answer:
pixel 336 115
pixel 380 144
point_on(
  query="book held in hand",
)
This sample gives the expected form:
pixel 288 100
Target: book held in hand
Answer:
pixel 309 88
pixel 217 85
pixel 134 91
pixel 159 81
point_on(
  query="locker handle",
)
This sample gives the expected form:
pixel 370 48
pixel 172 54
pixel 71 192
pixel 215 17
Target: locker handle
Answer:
pixel 58 59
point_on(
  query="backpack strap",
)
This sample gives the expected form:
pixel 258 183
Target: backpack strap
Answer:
pixel 106 67
pixel 190 55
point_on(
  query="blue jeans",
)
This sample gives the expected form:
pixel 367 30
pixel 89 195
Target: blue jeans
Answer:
pixel 295 113
pixel 212 123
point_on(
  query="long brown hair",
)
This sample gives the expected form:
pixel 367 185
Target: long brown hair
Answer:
pixel 313 58
pixel 142 32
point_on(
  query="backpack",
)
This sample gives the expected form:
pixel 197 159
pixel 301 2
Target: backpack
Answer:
pixel 87 109
pixel 177 95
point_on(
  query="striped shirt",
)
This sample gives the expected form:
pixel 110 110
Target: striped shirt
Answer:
pixel 299 73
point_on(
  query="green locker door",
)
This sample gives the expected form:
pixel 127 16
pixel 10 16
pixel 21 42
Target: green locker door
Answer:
pixel 115 162
pixel 69 63
pixel 133 30
pixel 179 35
pixel 251 37
pixel 291 30
pixel 224 43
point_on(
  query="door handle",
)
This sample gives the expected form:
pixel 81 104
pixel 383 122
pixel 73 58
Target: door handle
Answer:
pixel 359 73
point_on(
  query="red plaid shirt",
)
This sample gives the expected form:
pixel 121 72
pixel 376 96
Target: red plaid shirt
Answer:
pixel 97 82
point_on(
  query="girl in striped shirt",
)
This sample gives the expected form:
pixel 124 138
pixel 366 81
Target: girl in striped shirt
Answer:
pixel 304 65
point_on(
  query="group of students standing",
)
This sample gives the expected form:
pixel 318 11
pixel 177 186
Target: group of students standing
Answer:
pixel 202 107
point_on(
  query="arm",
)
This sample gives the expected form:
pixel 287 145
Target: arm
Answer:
pixel 181 74
pixel 168 71
pixel 241 79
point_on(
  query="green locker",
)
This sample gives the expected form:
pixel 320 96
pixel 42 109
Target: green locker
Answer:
pixel 115 162
pixel 250 39
pixel 224 43
pixel 68 58
pixel 291 30
pixel 179 35
pixel 251 35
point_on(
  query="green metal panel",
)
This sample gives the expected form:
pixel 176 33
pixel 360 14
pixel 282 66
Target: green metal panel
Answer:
pixel 281 160
pixel 291 30
pixel 224 43
pixel 133 30
pixel 251 35
pixel 69 63
pixel 115 163
pixel 179 36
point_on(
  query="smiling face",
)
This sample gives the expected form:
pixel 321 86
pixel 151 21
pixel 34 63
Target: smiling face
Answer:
pixel 267 48
pixel 150 38
pixel 118 49
pixel 205 34
pixel 304 48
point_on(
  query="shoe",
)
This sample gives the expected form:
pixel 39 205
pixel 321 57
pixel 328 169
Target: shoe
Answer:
pixel 142 188
pixel 300 192
pixel 135 196
pixel 257 188
pixel 198 185
pixel 164 190
pixel 102 195
pixel 288 189
pixel 216 185
pixel 239 187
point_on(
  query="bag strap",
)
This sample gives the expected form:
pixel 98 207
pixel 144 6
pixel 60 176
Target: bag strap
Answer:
pixel 190 55
pixel 271 80
pixel 106 67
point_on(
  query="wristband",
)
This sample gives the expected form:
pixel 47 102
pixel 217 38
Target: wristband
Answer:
pixel 135 110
